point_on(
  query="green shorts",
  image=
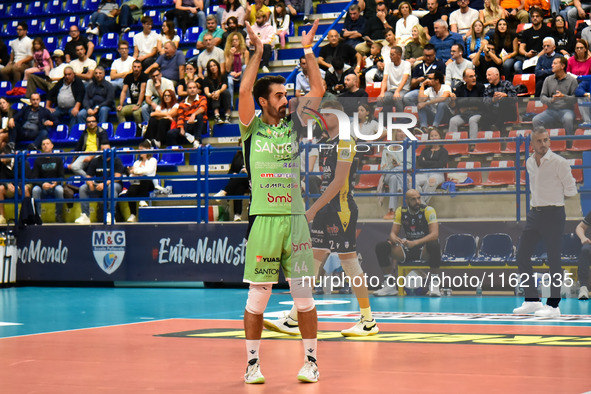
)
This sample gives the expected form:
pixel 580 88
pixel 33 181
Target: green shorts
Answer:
pixel 278 241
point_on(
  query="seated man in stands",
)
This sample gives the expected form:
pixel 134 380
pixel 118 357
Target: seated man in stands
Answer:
pixel 354 26
pixel 49 167
pixel 32 123
pixel 433 100
pixel 145 43
pixel 444 39
pixel 212 29
pixel 422 235
pixel 135 84
pixel 499 108
pixel 302 85
pixel 336 48
pixel 155 87
pixel 172 63
pixel 266 33
pixel 210 52
pixel 57 72
pixel 419 73
pixel 66 96
pixel 585 257
pixel 7 176
pixel 396 80
pixel 353 96
pixel 558 93
pixel 90 141
pixel 123 66
pixel 83 66
pixel 191 119
pixel 469 107
pixel 544 65
pixel 335 77
pixel 94 188
pixel 99 98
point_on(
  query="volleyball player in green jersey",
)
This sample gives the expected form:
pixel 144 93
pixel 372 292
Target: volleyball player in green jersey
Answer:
pixel 278 234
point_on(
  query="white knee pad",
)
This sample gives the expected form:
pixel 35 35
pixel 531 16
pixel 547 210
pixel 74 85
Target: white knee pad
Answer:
pixel 352 267
pixel 301 292
pixel 258 296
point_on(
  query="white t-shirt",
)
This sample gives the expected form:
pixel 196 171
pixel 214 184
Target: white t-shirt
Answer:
pixel 463 21
pixel 395 74
pixel 204 57
pixel 430 92
pixel 165 84
pixel 164 39
pixel 22 48
pixel 159 108
pixel 78 66
pixel 454 72
pixel 121 66
pixel 57 72
pixel 146 44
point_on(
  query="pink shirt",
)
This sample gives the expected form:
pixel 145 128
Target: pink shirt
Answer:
pixel 266 33
pixel 579 68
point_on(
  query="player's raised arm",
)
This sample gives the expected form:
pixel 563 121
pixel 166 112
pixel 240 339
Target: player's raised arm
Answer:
pixel 314 96
pixel 249 77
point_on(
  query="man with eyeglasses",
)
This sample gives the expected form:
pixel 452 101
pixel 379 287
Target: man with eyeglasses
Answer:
pixel 455 67
pixel 76 38
pixel 67 97
pixel 461 20
pixel 90 141
pixel 122 66
pixel 135 84
pixel 544 65
pixel 145 44
pixel 20 56
pixel 155 87
pixel 420 71
pixel 531 41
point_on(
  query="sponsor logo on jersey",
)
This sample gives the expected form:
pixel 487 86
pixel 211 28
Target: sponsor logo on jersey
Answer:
pixel 266 271
pixel 262 259
pixel 279 199
pixel 301 246
pixel 332 230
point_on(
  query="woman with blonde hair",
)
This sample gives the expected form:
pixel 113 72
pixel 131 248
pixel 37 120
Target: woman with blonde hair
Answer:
pixel 237 56
pixel 490 14
pixel 413 51
pixel 405 24
pixel 474 39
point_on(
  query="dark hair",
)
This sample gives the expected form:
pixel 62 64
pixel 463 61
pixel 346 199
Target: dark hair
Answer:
pixel 146 19
pixel 233 18
pixel 232 7
pixel 122 42
pixel 429 47
pixel 262 87
pixel 553 24
pixel 145 144
pixel 219 76
pixel 337 63
pixel 369 110
pixel 24 25
pixel 334 104
pixel 460 47
pixel 502 40
pixel 283 8
pixel 39 40
pixel 563 61
pixel 439 76
pixel 536 10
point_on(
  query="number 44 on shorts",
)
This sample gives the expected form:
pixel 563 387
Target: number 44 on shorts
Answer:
pixel 300 267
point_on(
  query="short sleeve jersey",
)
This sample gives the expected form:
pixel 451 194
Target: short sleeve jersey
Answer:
pixel 415 225
pixel 272 162
pixel 341 151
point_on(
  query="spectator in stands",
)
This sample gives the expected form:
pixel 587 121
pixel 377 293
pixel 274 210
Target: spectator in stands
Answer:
pixel 432 157
pixel 187 13
pixel 232 27
pixel 32 123
pixel 335 77
pixel 506 47
pixel 302 85
pixel 397 77
pixel 413 52
pixel 48 167
pixel 145 44
pixel 41 59
pixel 580 63
pixel 584 257
pixel 191 119
pixel 435 13
pixel 280 23
pixel 375 28
pixel 168 34
pixel 213 30
pixel 531 41
pixel 134 84
pixel 564 37
pixel 129 13
pixel 486 59
pixel 237 57
pixel 4 55
pixel 155 87
pixel 210 52
pixel 145 166
pixel 354 26
pixel 578 12
pixel 368 128
pixel 236 186
pixel 190 75
pixel 123 66
pixel 83 66
pixel 461 20
pixel 375 56
pixel 162 120
pixel 419 73
pixel 454 68
pixel 99 98
pixel 253 9
pixel 395 161
pixel 98 168
pixel 67 96
pixel 405 24
pixel 266 34
pixel 558 93
pixel 90 141
pixel 491 14
pixel 421 230
pixel 443 40
pixel 469 107
pixel 544 65
pixel 172 63
pixel 76 38
pixel 21 55
pixel 474 40
pixel 104 19
pixel 6 120
pixel 7 176
pixel 584 91
pixel 390 42
pixel 515 12
pixel 433 100
pixel 335 48
pixel 300 7
pixel 499 109
pixel 352 96
pixel 215 88
pixel 233 10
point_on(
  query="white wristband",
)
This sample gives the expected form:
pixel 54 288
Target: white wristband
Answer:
pixel 308 51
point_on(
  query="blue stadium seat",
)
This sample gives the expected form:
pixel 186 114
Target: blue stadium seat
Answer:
pixel 108 127
pixel 191 35
pixel 192 53
pixel 129 38
pixel 35 27
pixel 92 5
pixel 54 7
pixel 226 130
pixel 52 43
pixel 5 86
pixel 330 7
pixel 126 158
pixel 59 133
pixel 36 8
pixel 175 157
pixel 10 28
pixel 108 42
pixel 4 10
pixel 459 249
pixel 156 17
pixel 52 25
pixel 74 7
pixel 76 180
pixel 76 132
pixel 17 10
pixel 125 131
pixel 495 249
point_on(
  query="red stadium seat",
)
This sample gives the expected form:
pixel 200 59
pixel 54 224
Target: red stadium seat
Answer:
pixel 457 149
pixel 476 176
pixel 583 144
pixel 522 26
pixel 511 146
pixel 557 146
pixel 421 137
pixel 369 181
pixel 412 109
pixel 501 178
pixel 578 172
pixel 535 107
pixel 373 90
pixel 528 80
pixel 486 148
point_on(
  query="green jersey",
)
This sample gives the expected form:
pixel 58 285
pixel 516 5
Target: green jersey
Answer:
pixel 272 161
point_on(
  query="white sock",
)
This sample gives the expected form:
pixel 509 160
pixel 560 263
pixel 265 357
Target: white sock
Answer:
pixel 252 348
pixel 309 347
pixel 366 314
pixel 293 313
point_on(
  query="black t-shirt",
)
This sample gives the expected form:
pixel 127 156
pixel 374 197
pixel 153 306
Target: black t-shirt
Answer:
pixel 485 65
pixel 533 39
pixel 70 48
pixel 352 100
pixel 430 18
pixel 346 52
pixel 48 167
pixel 95 168
pixel 134 86
pixel 215 85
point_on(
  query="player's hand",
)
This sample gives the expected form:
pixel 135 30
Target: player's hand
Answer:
pixel 254 39
pixel 310 215
pixel 586 241
pixel 410 244
pixel 308 37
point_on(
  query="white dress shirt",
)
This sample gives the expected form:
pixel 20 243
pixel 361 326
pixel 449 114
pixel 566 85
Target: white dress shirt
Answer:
pixel 550 181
